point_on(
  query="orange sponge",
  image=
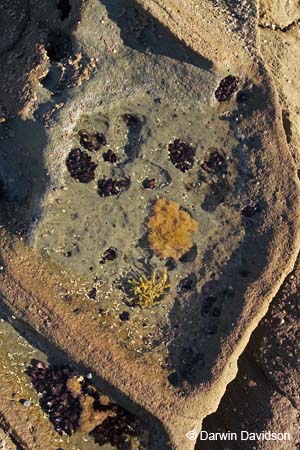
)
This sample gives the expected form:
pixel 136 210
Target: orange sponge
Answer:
pixel 170 229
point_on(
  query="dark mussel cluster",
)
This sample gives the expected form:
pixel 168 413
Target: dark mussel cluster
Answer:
pixel 227 87
pixel 182 155
pixel 64 408
pixel 91 141
pixel 115 430
pixel 80 166
pixel 110 156
pixel 108 187
pixel 57 401
pixel 110 254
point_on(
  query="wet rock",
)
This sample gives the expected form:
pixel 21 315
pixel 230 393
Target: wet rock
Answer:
pixel 216 194
pixel 14 18
pixel 244 273
pixel 182 155
pixel 115 430
pixel 205 312
pixel 80 166
pixel 22 230
pixel 91 141
pixel 173 379
pixel 216 312
pixel 227 87
pixel 228 293
pixel 108 187
pixel 192 357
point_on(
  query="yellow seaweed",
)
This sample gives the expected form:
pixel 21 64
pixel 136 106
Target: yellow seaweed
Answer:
pixel 147 291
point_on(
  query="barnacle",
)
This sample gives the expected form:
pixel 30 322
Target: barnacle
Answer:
pixel 170 229
pixel 147 291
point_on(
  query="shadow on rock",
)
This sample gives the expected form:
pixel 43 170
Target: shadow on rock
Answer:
pixel 142 32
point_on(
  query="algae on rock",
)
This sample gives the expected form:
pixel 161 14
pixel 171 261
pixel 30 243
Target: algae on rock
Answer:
pixel 170 229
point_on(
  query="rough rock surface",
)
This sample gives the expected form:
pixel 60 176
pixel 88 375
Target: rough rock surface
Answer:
pixel 265 394
pixel 279 14
pixel 5 442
